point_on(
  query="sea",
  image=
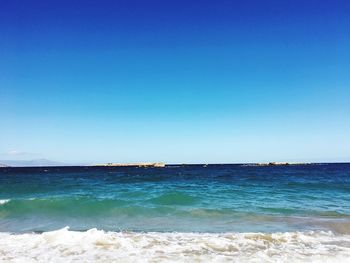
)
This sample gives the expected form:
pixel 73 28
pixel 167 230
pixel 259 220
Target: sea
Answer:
pixel 178 213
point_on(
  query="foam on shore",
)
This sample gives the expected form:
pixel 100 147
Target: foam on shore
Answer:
pixel 100 246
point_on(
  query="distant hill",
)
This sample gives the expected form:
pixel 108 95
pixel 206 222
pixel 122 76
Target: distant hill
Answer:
pixel 29 163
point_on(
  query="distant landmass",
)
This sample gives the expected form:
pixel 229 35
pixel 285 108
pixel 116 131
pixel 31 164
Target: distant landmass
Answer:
pixel 46 162
pixel 159 164
pixel 29 163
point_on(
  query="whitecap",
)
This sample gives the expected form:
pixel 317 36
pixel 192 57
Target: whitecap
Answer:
pixel 4 201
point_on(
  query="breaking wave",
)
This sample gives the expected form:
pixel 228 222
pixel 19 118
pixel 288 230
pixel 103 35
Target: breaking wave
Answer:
pixel 4 201
pixel 99 246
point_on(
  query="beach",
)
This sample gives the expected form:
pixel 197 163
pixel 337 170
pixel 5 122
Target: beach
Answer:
pixel 176 213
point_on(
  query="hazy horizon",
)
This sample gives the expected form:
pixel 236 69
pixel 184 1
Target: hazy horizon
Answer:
pixel 46 162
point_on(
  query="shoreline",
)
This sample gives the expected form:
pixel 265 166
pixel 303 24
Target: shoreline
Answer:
pixel 95 245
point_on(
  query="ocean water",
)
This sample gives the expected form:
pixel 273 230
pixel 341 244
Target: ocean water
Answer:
pixel 216 213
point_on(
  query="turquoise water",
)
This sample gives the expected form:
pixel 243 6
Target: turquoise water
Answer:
pixel 193 198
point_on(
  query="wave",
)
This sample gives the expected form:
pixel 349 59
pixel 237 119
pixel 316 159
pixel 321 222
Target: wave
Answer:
pixel 4 201
pixel 60 206
pixel 99 246
pixel 175 204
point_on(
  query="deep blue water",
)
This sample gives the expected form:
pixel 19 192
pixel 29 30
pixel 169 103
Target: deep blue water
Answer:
pixel 190 198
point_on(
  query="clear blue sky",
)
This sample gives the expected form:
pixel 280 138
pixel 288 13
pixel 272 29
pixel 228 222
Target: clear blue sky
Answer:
pixel 175 81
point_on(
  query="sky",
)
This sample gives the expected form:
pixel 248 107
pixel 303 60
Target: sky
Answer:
pixel 175 81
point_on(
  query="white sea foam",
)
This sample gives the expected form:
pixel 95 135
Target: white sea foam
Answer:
pixel 99 246
pixel 4 201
